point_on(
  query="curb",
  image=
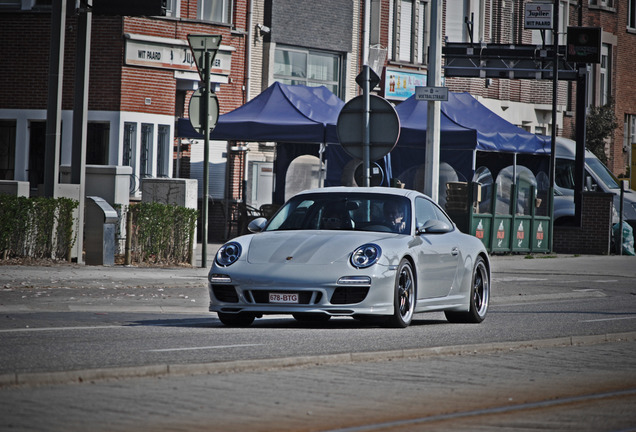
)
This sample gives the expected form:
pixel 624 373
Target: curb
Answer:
pixel 92 375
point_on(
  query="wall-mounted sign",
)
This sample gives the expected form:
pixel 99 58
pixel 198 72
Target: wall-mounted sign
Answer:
pixel 538 16
pixel 401 85
pixel 174 54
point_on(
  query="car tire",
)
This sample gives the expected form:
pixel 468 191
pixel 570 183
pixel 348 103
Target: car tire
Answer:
pixel 236 319
pixel 311 317
pixel 479 297
pixel 404 296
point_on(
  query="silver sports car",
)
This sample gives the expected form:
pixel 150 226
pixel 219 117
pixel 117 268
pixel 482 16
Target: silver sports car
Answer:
pixel 367 253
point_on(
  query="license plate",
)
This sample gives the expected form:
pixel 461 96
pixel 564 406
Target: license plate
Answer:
pixel 283 298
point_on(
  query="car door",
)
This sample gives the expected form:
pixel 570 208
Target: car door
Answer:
pixel 438 254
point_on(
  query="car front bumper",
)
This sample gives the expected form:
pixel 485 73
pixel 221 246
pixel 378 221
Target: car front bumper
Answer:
pixel 336 289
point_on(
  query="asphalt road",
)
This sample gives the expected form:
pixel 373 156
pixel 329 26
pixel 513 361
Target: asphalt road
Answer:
pixel 142 353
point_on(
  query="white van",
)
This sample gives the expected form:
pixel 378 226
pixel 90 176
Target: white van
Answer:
pixel 597 177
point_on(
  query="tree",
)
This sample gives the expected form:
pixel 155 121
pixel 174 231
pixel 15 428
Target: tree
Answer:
pixel 600 125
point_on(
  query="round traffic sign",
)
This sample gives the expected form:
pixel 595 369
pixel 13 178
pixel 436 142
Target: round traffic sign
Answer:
pixel 384 127
pixel 196 109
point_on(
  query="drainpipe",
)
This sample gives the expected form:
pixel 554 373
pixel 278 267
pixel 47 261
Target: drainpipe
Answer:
pixel 365 32
pixel 248 52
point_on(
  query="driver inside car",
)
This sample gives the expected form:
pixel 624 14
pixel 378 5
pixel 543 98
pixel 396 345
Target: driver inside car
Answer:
pixel 394 217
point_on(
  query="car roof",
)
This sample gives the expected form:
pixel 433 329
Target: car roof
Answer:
pixel 566 147
pixel 373 190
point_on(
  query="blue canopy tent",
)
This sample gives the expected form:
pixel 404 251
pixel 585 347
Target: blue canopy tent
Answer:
pixel 470 135
pixel 281 113
pixel 290 115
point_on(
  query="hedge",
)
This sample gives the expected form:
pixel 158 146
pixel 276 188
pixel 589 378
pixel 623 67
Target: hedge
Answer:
pixel 36 227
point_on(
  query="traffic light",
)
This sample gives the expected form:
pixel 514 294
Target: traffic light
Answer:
pixel 130 7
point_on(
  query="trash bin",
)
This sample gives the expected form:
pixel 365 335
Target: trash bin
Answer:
pixel 99 234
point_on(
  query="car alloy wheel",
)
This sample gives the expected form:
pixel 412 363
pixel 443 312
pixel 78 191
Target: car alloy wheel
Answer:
pixel 479 297
pixel 404 300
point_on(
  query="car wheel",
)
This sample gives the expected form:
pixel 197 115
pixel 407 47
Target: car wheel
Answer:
pixel 404 296
pixel 311 317
pixel 236 319
pixel 479 297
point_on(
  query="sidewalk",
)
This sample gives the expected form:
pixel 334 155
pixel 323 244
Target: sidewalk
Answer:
pixel 80 275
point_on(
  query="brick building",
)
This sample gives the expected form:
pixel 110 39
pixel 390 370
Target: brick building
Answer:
pixel 142 75
pixel 402 27
pixel 614 78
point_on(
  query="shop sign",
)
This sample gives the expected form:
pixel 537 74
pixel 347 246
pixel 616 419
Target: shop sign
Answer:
pixel 401 85
pixel 538 16
pixel 171 54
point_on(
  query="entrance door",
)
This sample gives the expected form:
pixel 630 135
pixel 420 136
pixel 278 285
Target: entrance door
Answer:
pixel 262 183
pixel 7 149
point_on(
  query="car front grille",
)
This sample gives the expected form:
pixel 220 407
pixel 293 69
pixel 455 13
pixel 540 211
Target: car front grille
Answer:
pixel 225 293
pixel 349 295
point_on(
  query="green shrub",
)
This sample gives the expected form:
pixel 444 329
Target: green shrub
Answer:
pixel 36 227
pixel 162 233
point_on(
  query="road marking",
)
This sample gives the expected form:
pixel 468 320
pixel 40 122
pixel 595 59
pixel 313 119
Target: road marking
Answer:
pixel 27 329
pixel 178 323
pixel 202 348
pixel 610 319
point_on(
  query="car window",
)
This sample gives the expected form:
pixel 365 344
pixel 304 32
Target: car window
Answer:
pixel 564 173
pixel 344 211
pixel 426 210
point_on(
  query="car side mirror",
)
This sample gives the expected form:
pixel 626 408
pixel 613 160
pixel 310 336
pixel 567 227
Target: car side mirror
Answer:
pixel 434 226
pixel 257 225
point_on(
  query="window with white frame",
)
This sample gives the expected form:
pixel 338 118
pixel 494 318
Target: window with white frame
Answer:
pixel 145 161
pixel 307 67
pixel 458 14
pixel 163 150
pixel 172 8
pixel 605 84
pixel 130 138
pixel 408 30
pixel 631 14
pixel 629 132
pixel 604 3
pixel 216 10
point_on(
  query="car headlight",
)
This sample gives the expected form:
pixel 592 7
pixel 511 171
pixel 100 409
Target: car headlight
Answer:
pixel 366 255
pixel 228 254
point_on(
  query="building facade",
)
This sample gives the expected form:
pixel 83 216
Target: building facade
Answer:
pixel 142 75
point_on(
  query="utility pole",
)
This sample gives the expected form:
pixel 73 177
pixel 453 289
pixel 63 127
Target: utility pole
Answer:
pixel 431 179
pixel 54 104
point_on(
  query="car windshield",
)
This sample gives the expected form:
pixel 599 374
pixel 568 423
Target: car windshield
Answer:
pixel 604 174
pixel 344 211
pixel 565 173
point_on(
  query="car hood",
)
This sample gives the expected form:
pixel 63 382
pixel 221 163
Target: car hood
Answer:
pixel 301 247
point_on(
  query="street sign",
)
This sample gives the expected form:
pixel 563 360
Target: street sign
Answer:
pixel 431 93
pixel 196 110
pixel 384 127
pixel 199 44
pixel 538 16
pixel 374 79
